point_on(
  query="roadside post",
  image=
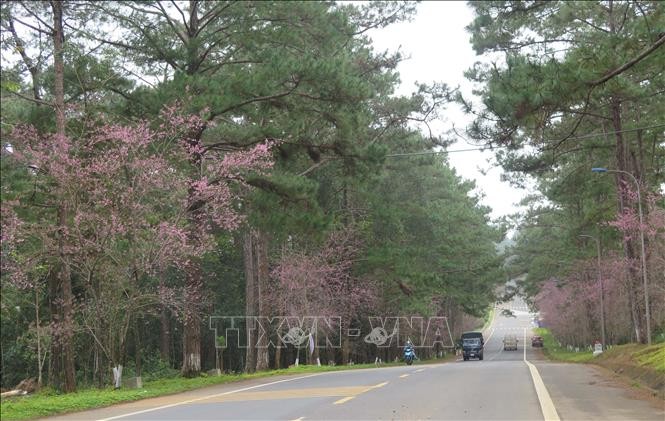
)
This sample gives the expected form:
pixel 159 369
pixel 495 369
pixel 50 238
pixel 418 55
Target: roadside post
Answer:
pixel 597 349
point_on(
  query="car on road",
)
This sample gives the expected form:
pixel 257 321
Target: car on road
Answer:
pixel 507 313
pixel 537 341
pixel 510 343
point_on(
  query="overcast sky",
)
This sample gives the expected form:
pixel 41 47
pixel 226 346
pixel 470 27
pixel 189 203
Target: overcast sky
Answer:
pixel 437 49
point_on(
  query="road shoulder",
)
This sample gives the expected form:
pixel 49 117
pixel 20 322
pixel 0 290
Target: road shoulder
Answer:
pixel 581 391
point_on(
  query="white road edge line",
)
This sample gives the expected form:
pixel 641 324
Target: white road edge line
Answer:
pixel 546 404
pixel 206 397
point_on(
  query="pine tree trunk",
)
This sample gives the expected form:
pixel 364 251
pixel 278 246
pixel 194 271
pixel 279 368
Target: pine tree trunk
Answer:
pixel 165 336
pixel 191 335
pixel 250 302
pixel 262 355
pixel 68 331
pixel 137 347
pixel 634 315
pixel 55 354
pixel 345 345
pixel 64 274
pixel 164 330
pixel 278 356
pixel 621 156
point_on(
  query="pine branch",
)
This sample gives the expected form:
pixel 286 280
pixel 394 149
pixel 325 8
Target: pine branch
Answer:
pixel 631 63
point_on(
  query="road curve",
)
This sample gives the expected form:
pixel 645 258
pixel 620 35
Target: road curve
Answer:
pixel 502 387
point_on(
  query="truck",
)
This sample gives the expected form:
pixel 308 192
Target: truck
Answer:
pixel 510 342
pixel 472 345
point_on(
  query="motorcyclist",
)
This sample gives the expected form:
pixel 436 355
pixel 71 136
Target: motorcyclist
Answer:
pixel 408 349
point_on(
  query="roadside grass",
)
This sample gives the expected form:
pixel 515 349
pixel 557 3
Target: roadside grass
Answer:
pixel 652 356
pixel 489 317
pixel 552 349
pixel 47 402
pixel 641 365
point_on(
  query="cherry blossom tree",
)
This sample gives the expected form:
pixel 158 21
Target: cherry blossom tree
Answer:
pixel 322 283
pixel 130 209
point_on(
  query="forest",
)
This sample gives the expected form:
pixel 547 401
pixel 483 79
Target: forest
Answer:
pixel 168 162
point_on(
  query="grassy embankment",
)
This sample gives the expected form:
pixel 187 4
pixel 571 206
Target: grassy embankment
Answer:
pixel 642 365
pixel 46 402
pixel 487 319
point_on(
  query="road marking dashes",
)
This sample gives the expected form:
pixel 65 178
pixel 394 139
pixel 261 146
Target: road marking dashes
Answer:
pixel 403 375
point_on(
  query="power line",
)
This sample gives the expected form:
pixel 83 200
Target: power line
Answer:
pixel 484 148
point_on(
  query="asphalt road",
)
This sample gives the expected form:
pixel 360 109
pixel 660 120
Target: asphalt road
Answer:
pixel 502 387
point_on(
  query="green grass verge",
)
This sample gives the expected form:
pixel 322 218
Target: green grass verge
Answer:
pixel 46 402
pixel 652 357
pixel 552 349
pixel 640 365
pixel 648 356
pixel 489 316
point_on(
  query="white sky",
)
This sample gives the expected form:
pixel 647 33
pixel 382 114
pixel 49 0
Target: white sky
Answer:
pixel 437 49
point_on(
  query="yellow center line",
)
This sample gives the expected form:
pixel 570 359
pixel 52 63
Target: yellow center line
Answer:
pixel 403 375
pixel 292 394
pixel 364 389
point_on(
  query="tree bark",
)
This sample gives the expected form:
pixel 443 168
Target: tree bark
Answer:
pixel 622 162
pixel 165 336
pixel 262 355
pixel 39 341
pixel 32 67
pixel 165 329
pixel 137 346
pixel 250 300
pixel 191 359
pixel 278 356
pixel 64 273
pixel 67 337
pixel 55 354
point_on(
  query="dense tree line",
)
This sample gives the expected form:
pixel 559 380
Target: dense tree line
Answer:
pixel 576 85
pixel 167 161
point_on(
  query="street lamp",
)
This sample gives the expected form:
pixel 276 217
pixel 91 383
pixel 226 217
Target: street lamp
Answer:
pixel 644 262
pixel 602 293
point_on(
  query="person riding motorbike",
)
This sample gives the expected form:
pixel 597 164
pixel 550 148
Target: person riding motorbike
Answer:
pixel 408 349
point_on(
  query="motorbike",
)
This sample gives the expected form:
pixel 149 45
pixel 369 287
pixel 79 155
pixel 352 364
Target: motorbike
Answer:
pixel 409 356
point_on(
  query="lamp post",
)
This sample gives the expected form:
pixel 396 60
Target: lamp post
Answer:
pixel 644 262
pixel 602 292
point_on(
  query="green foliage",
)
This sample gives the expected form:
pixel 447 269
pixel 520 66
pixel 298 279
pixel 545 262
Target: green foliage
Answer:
pixel 430 238
pixel 298 74
pixel 571 86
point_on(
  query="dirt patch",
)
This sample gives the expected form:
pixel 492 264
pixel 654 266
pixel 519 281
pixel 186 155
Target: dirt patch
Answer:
pixel 625 362
pixel 644 377
pixel 632 389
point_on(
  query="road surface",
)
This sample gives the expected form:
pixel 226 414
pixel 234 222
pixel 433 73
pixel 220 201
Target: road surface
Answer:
pixel 507 385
